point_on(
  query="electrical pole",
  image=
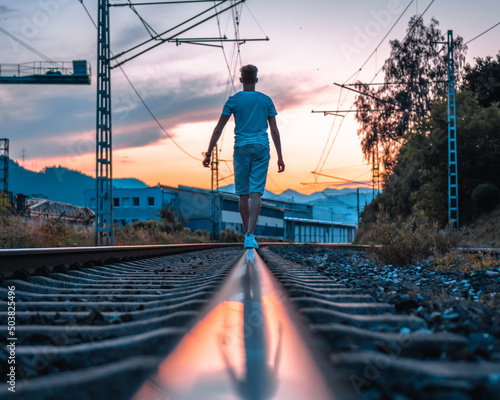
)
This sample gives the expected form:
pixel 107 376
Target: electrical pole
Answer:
pixel 23 155
pixel 104 177
pixel 4 165
pixel 357 207
pixel 214 167
pixel 375 164
pixel 452 139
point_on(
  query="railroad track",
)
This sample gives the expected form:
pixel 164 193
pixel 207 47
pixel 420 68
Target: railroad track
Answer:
pixel 105 326
pixel 386 355
pixel 92 330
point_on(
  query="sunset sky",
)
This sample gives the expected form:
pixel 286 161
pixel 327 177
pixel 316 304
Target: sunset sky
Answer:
pixel 312 45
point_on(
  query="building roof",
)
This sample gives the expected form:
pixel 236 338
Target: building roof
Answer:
pixel 318 222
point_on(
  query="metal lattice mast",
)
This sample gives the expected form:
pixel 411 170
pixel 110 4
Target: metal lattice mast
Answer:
pixel 452 139
pixel 214 167
pixel 376 165
pixel 4 165
pixel 104 176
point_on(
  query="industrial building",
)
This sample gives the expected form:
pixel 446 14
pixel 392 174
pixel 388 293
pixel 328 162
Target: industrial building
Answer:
pixel 136 204
pixel 216 211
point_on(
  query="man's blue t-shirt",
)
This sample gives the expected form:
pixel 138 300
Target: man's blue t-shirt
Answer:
pixel 250 110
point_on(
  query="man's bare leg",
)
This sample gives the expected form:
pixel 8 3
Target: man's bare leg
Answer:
pixel 254 211
pixel 244 211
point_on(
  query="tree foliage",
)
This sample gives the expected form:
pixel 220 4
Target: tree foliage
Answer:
pixel 419 179
pixel 486 197
pixel 484 80
pixel 170 219
pixel 415 77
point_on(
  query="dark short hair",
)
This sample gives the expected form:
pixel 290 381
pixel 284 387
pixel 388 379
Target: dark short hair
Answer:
pixel 249 73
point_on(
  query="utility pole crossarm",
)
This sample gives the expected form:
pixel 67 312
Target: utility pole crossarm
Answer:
pixel 207 42
pixel 336 112
pixel 389 103
pixel 336 177
pixel 174 37
pixel 160 3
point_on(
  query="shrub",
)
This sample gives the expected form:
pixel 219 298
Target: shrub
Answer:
pixel 230 236
pixel 53 233
pixel 204 236
pixel 18 232
pixel 411 241
pixel 170 219
pixel 151 232
pixel 486 197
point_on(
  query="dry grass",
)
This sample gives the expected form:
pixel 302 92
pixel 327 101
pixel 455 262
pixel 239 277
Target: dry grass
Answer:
pixel 464 262
pixel 409 242
pixel 131 235
pixel 485 231
pixel 17 232
pixel 230 236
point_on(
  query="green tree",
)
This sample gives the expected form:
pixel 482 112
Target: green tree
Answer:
pixel 419 180
pixel 485 197
pixel 170 219
pixel 478 157
pixel 484 80
pixel 415 77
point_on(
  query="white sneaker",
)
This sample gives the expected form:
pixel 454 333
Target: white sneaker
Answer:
pixel 250 242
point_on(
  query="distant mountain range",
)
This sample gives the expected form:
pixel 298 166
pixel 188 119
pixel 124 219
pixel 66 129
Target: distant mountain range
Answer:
pixel 58 183
pixel 339 205
pixel 68 186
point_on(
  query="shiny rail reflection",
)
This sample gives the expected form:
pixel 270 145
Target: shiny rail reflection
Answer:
pixel 245 346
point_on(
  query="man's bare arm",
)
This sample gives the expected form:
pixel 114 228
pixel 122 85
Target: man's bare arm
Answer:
pixel 275 135
pixel 215 136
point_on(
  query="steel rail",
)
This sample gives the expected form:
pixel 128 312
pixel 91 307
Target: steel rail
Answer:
pixel 248 344
pixel 29 259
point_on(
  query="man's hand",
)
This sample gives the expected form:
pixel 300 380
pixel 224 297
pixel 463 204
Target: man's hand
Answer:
pixel 206 161
pixel 281 166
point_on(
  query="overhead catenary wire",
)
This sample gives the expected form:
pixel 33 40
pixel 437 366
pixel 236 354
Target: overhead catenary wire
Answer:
pixel 341 179
pixel 144 102
pixel 329 135
pixel 481 34
pixel 382 41
pixel 30 48
pixel 407 34
pixel 255 20
pixel 88 13
pixel 148 27
pixel 173 36
pixel 156 119
pixel 232 63
pixel 231 76
pixel 355 74
pixel 376 74
pixel 401 108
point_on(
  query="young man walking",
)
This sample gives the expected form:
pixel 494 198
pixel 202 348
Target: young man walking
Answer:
pixel 252 111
